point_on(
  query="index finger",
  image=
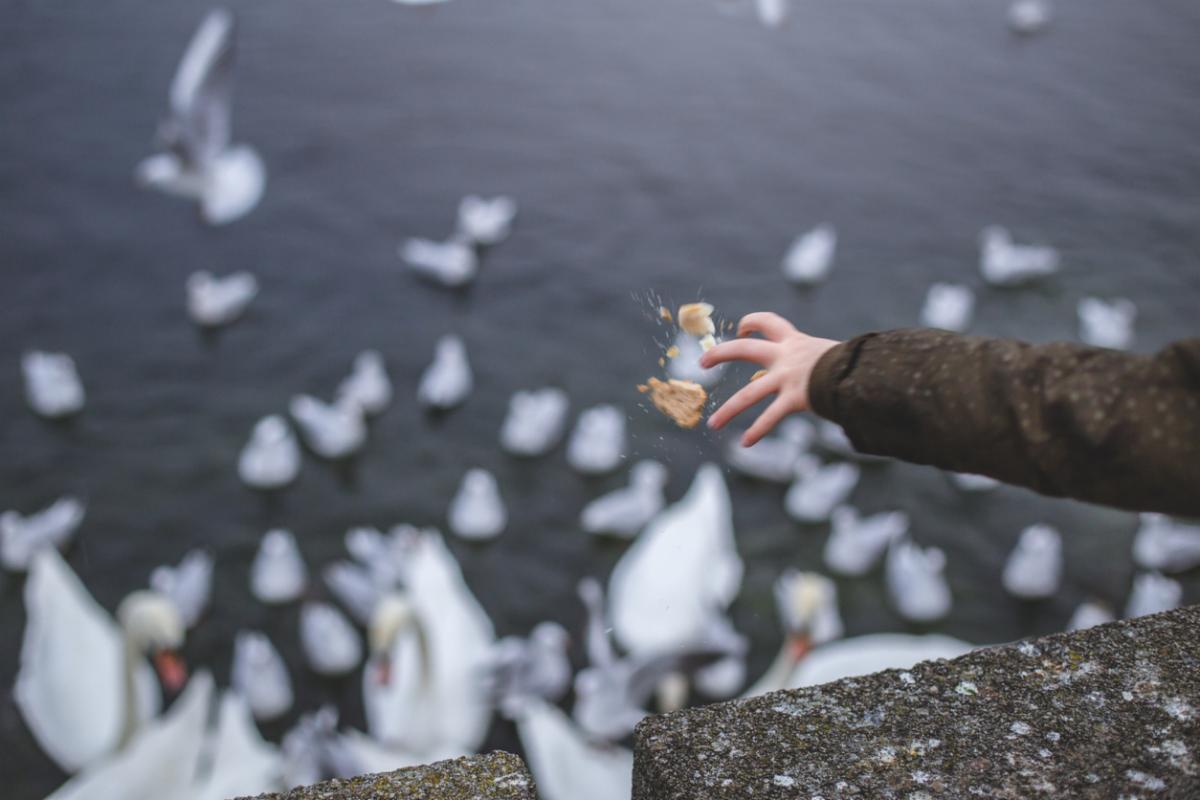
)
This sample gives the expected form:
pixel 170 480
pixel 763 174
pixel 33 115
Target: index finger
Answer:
pixel 768 323
pixel 755 350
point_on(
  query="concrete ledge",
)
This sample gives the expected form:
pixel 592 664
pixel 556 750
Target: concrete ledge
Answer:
pixel 495 776
pixel 1109 712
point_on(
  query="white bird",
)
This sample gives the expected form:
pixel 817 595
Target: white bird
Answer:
pixel 334 430
pixel 477 510
pixel 863 655
pixel 773 458
pixel 214 301
pixel 772 13
pixel 271 459
pixel 486 222
pixel 533 666
pixel 535 421
pixel 450 263
pixel 1089 614
pixel 916 582
pixel 810 257
pixel 447 381
pixel 1027 17
pixel 198 159
pixel 1005 263
pixel 973 483
pixel 565 763
pixel 685 366
pixel 331 643
pixel 1033 570
pixel 52 384
pixel 305 748
pixel 238 761
pixel 278 574
pixel 21 537
pixel 1107 323
pixel 188 585
pixel 260 676
pixel 597 444
pixel 83 686
pixel 818 489
pixel 368 385
pixel 948 306
pixel 1151 594
pixel 1165 545
pixel 626 511
pixel 808 611
pixel 855 544
pixel 832 439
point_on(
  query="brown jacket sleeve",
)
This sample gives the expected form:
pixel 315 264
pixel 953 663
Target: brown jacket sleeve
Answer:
pixel 1062 419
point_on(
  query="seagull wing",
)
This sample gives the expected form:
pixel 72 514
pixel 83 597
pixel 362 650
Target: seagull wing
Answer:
pixel 202 91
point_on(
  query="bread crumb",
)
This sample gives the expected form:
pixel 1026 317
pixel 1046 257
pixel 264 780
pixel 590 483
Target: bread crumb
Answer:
pixel 708 343
pixel 758 374
pixel 682 401
pixel 672 352
pixel 696 319
pixel 662 362
pixel 664 314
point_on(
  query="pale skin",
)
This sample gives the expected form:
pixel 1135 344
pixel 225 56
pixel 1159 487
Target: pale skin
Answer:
pixel 787 355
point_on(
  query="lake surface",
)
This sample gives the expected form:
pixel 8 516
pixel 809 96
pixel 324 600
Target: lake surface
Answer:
pixel 671 146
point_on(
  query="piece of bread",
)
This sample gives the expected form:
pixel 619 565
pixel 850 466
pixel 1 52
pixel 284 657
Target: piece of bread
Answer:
pixel 682 401
pixel 696 319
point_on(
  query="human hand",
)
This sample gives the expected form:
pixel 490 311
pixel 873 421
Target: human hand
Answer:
pixel 788 357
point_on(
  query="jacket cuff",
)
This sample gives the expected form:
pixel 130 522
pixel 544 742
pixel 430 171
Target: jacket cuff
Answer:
pixel 822 383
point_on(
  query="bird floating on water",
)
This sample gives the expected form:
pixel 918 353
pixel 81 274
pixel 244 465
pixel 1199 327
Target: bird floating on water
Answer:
pixel 1005 263
pixel 368 385
pixel 448 380
pixel 773 458
pixel 818 489
pixel 1152 593
pixel 330 642
pixel 332 430
pixel 271 459
pixel 1165 545
pixel 477 510
pixel 1027 17
pixel 260 676
pixel 199 160
pixel 1033 570
pixel 213 301
pixel 1089 614
pixel 948 306
pixel 597 444
pixel 810 257
pixel 1107 323
pixel 626 511
pixel 970 482
pixel 535 421
pixel 772 13
pixel 452 262
pixel 278 574
pixel 23 537
pixel 533 666
pixel 916 582
pixel 188 585
pixel 855 544
pixel 52 385
pixel 486 221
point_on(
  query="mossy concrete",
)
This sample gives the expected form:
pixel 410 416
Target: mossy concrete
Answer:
pixel 495 776
pixel 1109 712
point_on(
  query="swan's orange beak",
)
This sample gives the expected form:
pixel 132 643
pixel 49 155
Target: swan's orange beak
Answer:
pixel 383 670
pixel 171 670
pixel 799 647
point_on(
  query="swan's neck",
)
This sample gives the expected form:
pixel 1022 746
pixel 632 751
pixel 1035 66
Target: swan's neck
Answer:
pixel 425 662
pixel 779 674
pixel 130 723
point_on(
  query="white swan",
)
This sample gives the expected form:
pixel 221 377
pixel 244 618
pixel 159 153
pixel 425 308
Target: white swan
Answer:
pixel 1027 17
pixel 486 222
pixel 238 763
pixel 447 381
pixel 271 459
pixel 214 301
pixel 773 458
pixel 1089 614
pixel 597 445
pixel 1165 545
pixel 332 430
pixel 948 306
pixel 278 574
pixel 52 385
pixel 1151 594
pixel 477 510
pixel 330 642
pixel 198 159
pixel 83 687
pixel 535 421
pixel 626 511
pixel 855 544
pixel 818 489
pixel 916 583
pixel 1107 323
pixel 21 538
pixel 1005 263
pixel 1034 568
pixel 450 263
pixel 188 585
pixel 685 365
pixel 810 257
pixel 368 385
pixel 260 676
pixel 566 765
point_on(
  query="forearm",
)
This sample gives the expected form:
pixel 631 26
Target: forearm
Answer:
pixel 1062 419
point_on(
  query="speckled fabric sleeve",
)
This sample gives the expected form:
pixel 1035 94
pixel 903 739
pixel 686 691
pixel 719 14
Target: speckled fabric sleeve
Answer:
pixel 1062 419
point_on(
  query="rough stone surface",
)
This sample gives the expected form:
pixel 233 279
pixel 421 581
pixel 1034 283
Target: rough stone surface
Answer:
pixel 1109 712
pixel 495 776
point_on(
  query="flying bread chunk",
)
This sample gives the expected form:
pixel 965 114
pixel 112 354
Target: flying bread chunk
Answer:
pixel 696 319
pixel 682 401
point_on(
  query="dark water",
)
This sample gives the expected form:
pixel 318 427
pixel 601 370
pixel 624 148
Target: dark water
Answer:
pixel 652 145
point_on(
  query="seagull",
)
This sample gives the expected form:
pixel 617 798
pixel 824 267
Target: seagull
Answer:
pixel 855 544
pixel 536 666
pixel 278 574
pixel 1107 323
pixel 1005 263
pixel 332 430
pixel 21 538
pixel 331 643
pixel 626 511
pixel 214 301
pixel 948 306
pixel 271 459
pixel 772 13
pixel 1027 17
pixel 198 159
pixel 810 257
pixel 1165 545
pixel 535 421
pixel 969 482
pixel 447 381
pixel 1088 615
pixel 368 386
pixel 597 444
pixel 485 222
pixel 260 676
pixel 1034 568
pixel 1151 594
pixel 188 585
pixel 773 458
pixel 916 582
pixel 451 263
pixel 819 489
pixel 477 510
pixel 52 384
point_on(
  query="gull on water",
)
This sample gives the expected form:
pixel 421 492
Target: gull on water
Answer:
pixel 817 489
pixel 1151 594
pixel 486 221
pixel 772 13
pixel 626 511
pixel 260 676
pixel 368 385
pixel 188 585
pixel 450 263
pixel 772 458
pixel 1034 568
pixel 685 366
pixel 1166 545
pixel 332 430
pixel 916 582
pixel 969 482
pixel 535 666
pixel 1027 17
pixel 1107 323
pixel 855 544
pixel 278 574
pixel 198 159
pixel 447 381
pixel 331 644
pixel 23 537
pixel 535 421
pixel 832 439
pixel 52 385
pixel 271 459
pixel 1089 614
pixel 1005 263
pixel 948 306
pixel 477 510
pixel 810 257
pixel 597 444
pixel 214 301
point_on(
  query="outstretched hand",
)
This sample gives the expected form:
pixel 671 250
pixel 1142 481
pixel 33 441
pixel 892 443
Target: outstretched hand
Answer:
pixel 787 355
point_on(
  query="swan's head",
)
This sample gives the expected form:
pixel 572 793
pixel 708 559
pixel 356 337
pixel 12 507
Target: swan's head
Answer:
pixel 154 626
pixel 393 615
pixel 551 636
pixel 807 605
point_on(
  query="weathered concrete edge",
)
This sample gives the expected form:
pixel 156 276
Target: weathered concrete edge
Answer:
pixel 494 776
pixel 1106 712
